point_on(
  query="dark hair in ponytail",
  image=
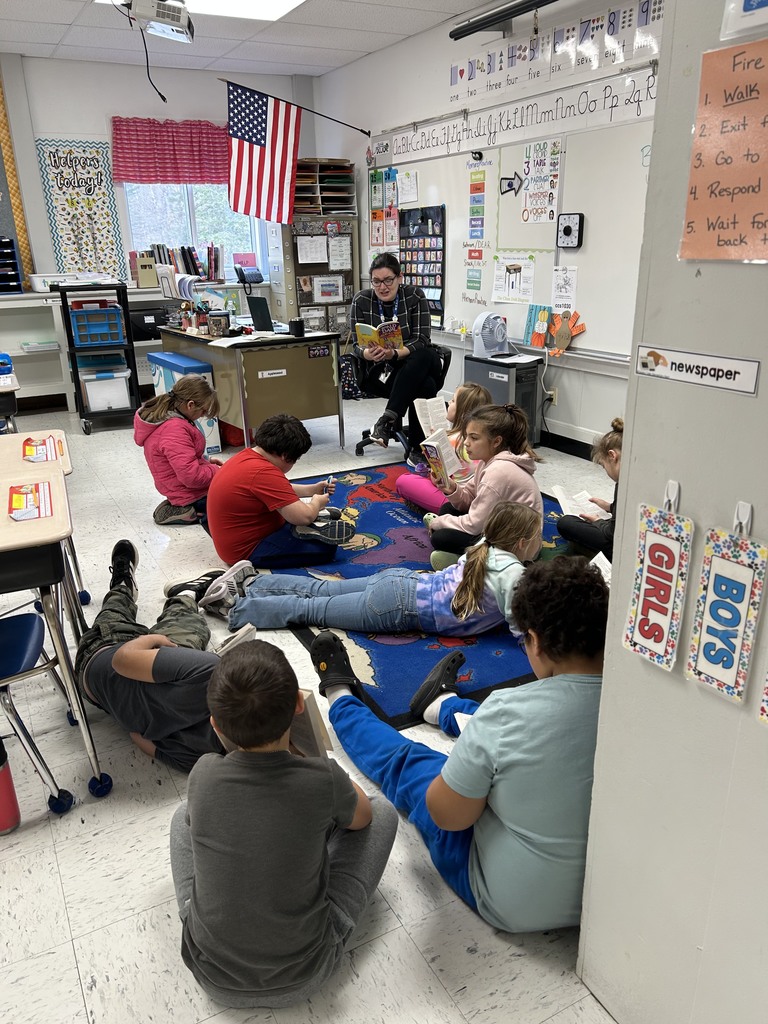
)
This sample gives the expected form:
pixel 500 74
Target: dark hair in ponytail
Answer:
pixel 508 422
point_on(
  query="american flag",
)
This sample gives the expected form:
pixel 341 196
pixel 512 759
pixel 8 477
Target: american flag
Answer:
pixel 263 144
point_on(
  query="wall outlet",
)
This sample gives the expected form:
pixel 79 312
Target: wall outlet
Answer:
pixel 553 395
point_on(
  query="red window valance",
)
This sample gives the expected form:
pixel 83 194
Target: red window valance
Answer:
pixel 170 152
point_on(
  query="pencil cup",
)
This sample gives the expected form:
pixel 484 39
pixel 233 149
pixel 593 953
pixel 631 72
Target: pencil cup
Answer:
pixel 296 327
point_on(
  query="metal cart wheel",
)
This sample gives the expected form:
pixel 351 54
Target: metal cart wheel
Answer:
pixel 86 426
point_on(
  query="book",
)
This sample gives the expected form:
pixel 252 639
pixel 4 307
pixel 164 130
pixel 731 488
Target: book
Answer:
pixel 441 456
pixel 602 563
pixel 386 335
pixel 578 504
pixel 431 414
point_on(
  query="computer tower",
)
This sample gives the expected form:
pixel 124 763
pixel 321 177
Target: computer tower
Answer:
pixel 511 379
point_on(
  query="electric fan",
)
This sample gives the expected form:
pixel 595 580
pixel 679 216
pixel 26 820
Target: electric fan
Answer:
pixel 489 335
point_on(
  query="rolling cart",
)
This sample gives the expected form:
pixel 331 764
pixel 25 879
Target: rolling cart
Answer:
pixel 101 356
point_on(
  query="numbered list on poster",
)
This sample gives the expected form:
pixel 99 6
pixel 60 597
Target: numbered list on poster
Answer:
pixel 726 215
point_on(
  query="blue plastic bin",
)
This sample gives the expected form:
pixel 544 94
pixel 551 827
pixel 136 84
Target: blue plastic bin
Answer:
pixel 166 369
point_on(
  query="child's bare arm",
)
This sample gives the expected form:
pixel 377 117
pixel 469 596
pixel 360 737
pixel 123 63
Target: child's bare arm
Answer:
pixel 363 813
pixel 135 659
pixel 450 810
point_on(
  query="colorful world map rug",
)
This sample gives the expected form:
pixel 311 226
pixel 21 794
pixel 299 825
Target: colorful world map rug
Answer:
pixel 391 667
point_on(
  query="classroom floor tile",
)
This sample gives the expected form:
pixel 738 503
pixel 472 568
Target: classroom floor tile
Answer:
pixel 90 933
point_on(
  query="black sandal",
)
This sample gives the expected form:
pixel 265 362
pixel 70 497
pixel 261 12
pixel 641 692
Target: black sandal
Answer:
pixel 329 656
pixel 442 679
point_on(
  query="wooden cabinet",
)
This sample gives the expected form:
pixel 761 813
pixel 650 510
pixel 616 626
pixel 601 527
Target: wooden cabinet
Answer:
pixel 324 187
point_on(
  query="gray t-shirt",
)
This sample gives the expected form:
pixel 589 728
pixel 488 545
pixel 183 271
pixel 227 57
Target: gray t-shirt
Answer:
pixel 172 712
pixel 259 918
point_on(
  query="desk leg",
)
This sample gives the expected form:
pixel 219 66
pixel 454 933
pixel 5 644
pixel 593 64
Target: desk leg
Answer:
pixel 33 753
pixel 71 556
pixel 101 783
pixel 337 356
pixel 72 604
pixel 243 400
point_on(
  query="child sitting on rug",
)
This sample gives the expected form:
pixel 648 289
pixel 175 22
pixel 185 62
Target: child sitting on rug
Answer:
pixel 465 599
pixel 505 815
pixel 587 531
pixel 274 857
pixel 420 491
pixel 175 449
pixel 256 514
pixel 497 438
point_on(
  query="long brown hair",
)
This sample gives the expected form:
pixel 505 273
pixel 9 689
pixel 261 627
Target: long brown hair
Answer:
pixel 510 423
pixel 469 397
pixel 508 524
pixel 191 388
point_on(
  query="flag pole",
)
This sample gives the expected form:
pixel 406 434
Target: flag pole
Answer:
pixel 363 131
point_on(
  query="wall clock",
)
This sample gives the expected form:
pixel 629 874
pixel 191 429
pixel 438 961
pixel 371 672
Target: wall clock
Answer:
pixel 570 230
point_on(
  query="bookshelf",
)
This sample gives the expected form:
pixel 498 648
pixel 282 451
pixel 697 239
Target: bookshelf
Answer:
pixel 324 188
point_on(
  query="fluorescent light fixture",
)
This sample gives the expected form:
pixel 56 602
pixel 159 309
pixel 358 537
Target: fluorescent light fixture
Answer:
pixel 254 10
pixel 492 19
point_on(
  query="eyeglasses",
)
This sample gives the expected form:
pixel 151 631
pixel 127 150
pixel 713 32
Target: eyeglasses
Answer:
pixel 385 282
pixel 522 642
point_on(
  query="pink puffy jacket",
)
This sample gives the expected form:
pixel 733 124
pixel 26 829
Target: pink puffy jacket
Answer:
pixel 174 453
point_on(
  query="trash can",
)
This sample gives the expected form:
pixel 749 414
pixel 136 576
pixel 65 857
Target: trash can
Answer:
pixel 166 368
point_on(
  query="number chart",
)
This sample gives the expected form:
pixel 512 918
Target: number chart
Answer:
pixel 726 215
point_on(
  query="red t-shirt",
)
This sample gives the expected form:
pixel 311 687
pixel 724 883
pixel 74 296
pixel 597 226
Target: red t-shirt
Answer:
pixel 243 500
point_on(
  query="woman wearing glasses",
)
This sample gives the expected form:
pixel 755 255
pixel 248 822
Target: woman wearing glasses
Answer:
pixel 400 374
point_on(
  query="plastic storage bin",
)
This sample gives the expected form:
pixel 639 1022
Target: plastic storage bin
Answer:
pixel 104 390
pixel 97 327
pixel 166 368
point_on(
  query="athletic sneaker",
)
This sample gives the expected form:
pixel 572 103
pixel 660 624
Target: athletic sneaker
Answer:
pixel 442 559
pixel 125 558
pixel 192 588
pixel 427 519
pixel 221 595
pixel 337 531
pixel 167 514
pixel 385 429
pixel 415 461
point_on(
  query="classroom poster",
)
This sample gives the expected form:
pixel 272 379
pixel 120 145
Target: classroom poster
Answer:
pixel 422 255
pixel 513 276
pixel 564 289
pixel 80 201
pixel 541 181
pixel 742 16
pixel 726 217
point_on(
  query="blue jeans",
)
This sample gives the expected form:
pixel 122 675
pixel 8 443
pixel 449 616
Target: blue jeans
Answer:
pixel 403 770
pixel 383 603
pixel 281 550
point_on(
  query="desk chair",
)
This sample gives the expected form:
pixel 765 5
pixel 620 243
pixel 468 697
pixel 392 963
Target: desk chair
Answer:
pixel 21 657
pixel 444 355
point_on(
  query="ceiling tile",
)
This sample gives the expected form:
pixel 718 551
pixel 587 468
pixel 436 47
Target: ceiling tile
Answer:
pixel 31 49
pixel 359 15
pixel 255 50
pixel 264 67
pixel 31 32
pixel 332 38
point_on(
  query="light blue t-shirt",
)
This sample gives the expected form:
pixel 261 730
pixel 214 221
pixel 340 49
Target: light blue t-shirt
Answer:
pixel 530 751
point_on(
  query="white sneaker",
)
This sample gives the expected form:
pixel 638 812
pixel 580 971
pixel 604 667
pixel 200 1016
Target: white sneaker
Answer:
pixel 232 584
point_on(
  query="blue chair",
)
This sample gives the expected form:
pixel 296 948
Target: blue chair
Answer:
pixel 22 656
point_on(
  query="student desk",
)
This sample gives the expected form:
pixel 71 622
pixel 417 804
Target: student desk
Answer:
pixel 11 455
pixel 257 377
pixel 32 556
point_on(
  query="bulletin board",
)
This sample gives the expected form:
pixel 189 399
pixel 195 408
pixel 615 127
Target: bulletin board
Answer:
pixel 602 174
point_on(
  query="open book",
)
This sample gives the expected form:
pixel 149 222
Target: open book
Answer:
pixel 439 453
pixel 386 335
pixel 576 504
pixel 601 562
pixel 431 413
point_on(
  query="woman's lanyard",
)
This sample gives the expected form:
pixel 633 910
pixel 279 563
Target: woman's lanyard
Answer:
pixel 394 308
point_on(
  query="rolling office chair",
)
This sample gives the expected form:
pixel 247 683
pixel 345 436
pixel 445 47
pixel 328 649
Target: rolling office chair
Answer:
pixel 444 355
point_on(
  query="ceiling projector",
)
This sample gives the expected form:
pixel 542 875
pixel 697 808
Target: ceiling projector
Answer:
pixel 167 18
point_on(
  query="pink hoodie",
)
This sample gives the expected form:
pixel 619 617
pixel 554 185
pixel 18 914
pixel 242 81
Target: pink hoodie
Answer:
pixel 505 477
pixel 174 453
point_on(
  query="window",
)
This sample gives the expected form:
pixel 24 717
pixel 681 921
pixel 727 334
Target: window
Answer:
pixel 193 215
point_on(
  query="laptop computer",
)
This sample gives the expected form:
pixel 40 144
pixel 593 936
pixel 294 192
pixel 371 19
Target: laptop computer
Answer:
pixel 260 314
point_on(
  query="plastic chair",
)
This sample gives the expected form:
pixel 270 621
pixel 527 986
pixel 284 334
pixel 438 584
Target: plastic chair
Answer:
pixel 21 651
pixel 444 355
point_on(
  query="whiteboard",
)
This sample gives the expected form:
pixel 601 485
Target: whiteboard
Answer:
pixel 603 175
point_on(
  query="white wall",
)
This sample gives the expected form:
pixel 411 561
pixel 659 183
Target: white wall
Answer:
pixel 675 912
pixel 398 86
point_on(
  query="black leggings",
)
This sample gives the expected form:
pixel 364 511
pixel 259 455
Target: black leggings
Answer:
pixel 416 376
pixel 447 538
pixel 593 536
